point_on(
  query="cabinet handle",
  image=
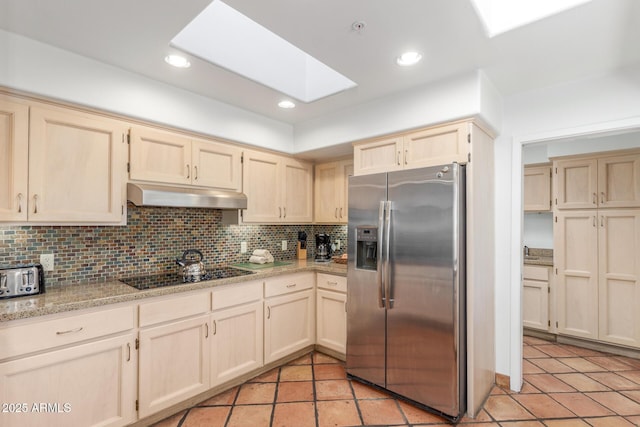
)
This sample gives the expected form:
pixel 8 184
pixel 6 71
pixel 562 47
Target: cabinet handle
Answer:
pixel 280 212
pixel 285 211
pixel 332 283
pixel 188 171
pixel 398 158
pixel 293 285
pixel 336 214
pixel 340 213
pixel 268 312
pixel 35 203
pixel 195 171
pixel 345 306
pixel 595 199
pixel 128 352
pixel 602 221
pixel 602 197
pixel 215 327
pixel 70 331
pixel 19 202
pixel 594 222
pixel 406 152
pixel 206 334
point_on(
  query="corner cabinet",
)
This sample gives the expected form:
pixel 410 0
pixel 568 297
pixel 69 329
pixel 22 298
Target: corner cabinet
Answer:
pixel 172 158
pixel 537 188
pixel 331 191
pixel 289 318
pixel 279 189
pixel 62 145
pixel 428 147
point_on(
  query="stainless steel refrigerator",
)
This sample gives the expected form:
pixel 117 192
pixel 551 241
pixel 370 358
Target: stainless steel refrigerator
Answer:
pixel 406 285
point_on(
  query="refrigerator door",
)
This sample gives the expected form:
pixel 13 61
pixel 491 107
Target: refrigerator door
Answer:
pixel 423 341
pixel 365 309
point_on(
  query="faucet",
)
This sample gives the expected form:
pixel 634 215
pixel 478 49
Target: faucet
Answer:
pixel 526 250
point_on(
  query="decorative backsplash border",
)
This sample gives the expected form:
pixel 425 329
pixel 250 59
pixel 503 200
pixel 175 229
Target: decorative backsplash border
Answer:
pixel 150 243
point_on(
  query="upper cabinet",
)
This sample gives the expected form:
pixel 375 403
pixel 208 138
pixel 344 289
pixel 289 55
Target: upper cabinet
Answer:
pixel 74 171
pixel 428 147
pixel 279 189
pixel 171 158
pixel 331 187
pixel 597 182
pixel 537 188
pixel 14 160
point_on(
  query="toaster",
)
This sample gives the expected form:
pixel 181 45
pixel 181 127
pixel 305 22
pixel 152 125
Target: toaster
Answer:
pixel 21 280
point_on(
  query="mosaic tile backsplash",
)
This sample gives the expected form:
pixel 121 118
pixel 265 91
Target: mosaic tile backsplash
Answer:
pixel 150 242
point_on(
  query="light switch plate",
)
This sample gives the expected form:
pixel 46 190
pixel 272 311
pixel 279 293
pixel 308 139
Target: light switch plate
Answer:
pixel 284 245
pixel 47 261
pixel 338 244
pixel 243 247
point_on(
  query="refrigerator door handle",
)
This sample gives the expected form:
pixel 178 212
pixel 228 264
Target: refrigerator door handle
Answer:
pixel 387 269
pixel 380 275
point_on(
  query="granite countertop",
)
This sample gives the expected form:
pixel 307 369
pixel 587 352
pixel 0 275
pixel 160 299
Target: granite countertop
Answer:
pixel 63 298
pixel 539 257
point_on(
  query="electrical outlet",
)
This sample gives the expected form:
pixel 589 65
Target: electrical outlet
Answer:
pixel 284 245
pixel 47 261
pixel 338 244
pixel 243 247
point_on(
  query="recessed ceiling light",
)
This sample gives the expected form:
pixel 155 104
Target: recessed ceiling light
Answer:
pixel 409 58
pixel 177 61
pixel 286 104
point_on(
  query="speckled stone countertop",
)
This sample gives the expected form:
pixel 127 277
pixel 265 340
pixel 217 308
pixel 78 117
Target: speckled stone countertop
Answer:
pixel 63 298
pixel 539 257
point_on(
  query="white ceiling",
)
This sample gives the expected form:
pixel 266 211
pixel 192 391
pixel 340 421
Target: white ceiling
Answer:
pixel 134 35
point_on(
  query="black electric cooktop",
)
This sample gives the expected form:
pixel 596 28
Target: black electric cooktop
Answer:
pixel 170 279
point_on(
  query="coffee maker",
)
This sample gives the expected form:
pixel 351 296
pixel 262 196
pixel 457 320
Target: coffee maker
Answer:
pixel 323 248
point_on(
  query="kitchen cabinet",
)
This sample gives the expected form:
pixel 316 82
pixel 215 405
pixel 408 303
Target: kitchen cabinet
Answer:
pixel 289 318
pixel 171 158
pixel 14 159
pixel 433 146
pixel 535 297
pixel 598 260
pixel 590 182
pixel 537 188
pixel 331 312
pixel 45 149
pixel 174 351
pixel 237 331
pixel 331 191
pixel 279 189
pixel 73 370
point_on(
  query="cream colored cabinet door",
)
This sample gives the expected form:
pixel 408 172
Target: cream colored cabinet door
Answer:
pixel 576 260
pixel 331 320
pixel 619 276
pixel 619 181
pixel 378 156
pixel 436 146
pixel 331 191
pixel 289 324
pixel 537 188
pixel 159 156
pixel 236 342
pixel 535 297
pixel 14 159
pixel 76 167
pixel 216 165
pixel 297 194
pixel 173 363
pixel 262 183
pixel 576 183
pixel 92 384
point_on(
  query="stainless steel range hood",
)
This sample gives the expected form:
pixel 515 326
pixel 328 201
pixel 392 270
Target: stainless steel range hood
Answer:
pixel 184 197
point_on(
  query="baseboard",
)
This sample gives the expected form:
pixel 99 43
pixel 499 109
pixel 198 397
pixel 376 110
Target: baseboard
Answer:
pixel 503 381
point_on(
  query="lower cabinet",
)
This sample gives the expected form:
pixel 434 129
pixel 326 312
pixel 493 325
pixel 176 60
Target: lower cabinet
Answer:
pixel 236 340
pixel 289 322
pixel 331 312
pixel 535 297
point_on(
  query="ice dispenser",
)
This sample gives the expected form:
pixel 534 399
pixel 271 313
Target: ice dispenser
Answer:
pixel 367 248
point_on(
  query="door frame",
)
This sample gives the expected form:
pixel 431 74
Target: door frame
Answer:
pixel 517 215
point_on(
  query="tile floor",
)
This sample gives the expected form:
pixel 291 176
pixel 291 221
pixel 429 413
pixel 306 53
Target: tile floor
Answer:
pixel 564 386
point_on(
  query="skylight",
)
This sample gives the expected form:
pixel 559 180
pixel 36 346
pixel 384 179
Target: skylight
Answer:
pixel 499 16
pixel 225 37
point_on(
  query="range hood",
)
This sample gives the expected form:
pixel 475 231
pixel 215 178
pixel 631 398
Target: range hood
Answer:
pixel 184 197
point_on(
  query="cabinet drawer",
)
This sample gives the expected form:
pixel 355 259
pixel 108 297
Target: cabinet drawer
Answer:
pixel 174 307
pixel 331 282
pixel 289 283
pixel 535 273
pixel 236 294
pixel 42 335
